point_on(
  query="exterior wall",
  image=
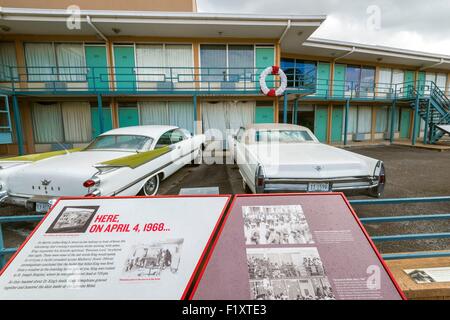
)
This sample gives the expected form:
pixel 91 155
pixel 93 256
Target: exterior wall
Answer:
pixel 133 5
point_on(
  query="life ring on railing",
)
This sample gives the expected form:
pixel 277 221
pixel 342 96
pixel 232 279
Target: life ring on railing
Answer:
pixel 274 70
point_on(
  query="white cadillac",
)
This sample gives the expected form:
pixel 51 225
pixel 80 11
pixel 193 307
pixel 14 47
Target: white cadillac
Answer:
pixel 286 158
pixel 121 162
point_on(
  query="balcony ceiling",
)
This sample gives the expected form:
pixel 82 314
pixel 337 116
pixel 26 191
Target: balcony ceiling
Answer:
pixel 176 25
pixel 376 54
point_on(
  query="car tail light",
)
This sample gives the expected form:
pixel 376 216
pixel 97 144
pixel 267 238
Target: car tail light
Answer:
pixel 95 193
pixel 90 183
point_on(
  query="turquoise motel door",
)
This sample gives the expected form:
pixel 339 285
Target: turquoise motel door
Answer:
pixel 124 67
pixel 421 82
pixel 409 82
pixel 128 116
pixel 320 123
pixel 336 124
pixel 107 120
pixel 97 75
pixel 264 115
pixel 264 57
pixel 405 123
pixel 339 80
pixel 323 76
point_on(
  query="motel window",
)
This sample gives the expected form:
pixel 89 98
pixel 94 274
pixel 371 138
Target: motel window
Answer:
pixel 299 72
pixel 62 122
pixel 382 120
pixel 227 62
pixel 8 62
pixel 164 62
pixel 176 113
pixel 360 120
pixel 53 62
pixel 360 81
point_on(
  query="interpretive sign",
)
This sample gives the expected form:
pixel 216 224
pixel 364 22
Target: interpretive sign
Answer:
pixel 115 248
pixel 294 247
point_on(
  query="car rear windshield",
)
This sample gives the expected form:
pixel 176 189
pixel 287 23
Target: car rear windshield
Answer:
pixel 121 142
pixel 283 136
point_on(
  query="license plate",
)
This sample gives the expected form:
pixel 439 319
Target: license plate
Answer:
pixel 42 207
pixel 318 187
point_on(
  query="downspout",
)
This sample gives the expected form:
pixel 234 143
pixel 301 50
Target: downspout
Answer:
pixel 345 54
pixel 89 21
pixel 288 26
pixel 433 65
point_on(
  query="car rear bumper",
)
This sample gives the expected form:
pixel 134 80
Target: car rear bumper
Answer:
pixel 302 185
pixel 28 202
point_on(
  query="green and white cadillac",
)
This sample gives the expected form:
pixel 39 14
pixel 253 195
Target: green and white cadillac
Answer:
pixel 121 162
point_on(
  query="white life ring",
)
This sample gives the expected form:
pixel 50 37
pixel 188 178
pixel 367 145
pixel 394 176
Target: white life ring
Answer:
pixel 275 70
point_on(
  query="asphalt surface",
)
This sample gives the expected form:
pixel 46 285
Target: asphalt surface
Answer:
pixel 410 172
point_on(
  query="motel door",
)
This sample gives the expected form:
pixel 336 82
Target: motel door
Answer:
pixel 320 123
pixel 97 76
pixel 264 115
pixel 337 118
pixel 128 116
pixel 405 122
pixel 5 121
pixel 107 120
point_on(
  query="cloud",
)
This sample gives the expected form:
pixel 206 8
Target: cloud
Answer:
pixel 413 24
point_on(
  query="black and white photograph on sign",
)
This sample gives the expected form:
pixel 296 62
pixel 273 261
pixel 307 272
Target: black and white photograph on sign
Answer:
pixel 73 219
pixel 276 225
pixel 154 260
pixel 287 274
pixel 429 275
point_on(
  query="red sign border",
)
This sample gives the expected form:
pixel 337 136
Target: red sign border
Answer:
pixel 205 249
pixel 374 248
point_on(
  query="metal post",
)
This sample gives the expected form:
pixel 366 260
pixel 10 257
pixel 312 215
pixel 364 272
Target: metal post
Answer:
pixel 416 115
pixel 100 113
pixel 2 246
pixel 18 123
pixel 294 112
pixel 427 118
pixel 194 100
pixel 392 129
pixel 285 102
pixel 347 111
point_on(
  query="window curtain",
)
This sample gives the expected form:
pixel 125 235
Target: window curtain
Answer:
pixel 429 77
pixel 213 59
pixel 364 119
pixel 214 118
pixel 240 113
pixel 71 62
pixel 384 82
pixel 8 63
pixel 352 119
pixel 149 63
pixel 181 114
pixel 77 121
pixel 47 123
pixel 241 61
pixel 41 61
pixel 441 80
pixel 367 82
pixel 153 112
pixel 398 78
pixel 382 120
pixel 179 57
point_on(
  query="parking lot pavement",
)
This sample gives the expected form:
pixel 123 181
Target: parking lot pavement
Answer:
pixel 410 173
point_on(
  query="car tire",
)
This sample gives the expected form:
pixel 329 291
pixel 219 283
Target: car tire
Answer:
pixel 246 187
pixel 151 186
pixel 199 158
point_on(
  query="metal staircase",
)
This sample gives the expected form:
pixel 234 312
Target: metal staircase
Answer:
pixel 433 106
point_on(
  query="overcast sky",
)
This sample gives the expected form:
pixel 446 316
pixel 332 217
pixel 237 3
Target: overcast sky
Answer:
pixel 409 24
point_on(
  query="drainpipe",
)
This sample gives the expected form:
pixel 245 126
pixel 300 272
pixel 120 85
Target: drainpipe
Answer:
pixel 89 21
pixel 433 65
pixel 288 26
pixel 345 54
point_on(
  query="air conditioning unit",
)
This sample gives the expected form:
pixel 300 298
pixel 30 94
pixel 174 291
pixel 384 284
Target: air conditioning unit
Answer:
pixel 228 85
pixel 165 85
pixel 56 85
pixel 359 136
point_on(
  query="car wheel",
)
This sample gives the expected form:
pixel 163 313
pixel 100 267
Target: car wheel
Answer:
pixel 246 187
pixel 199 158
pixel 151 187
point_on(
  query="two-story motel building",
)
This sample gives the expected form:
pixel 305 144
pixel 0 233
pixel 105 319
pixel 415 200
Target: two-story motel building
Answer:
pixel 161 62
